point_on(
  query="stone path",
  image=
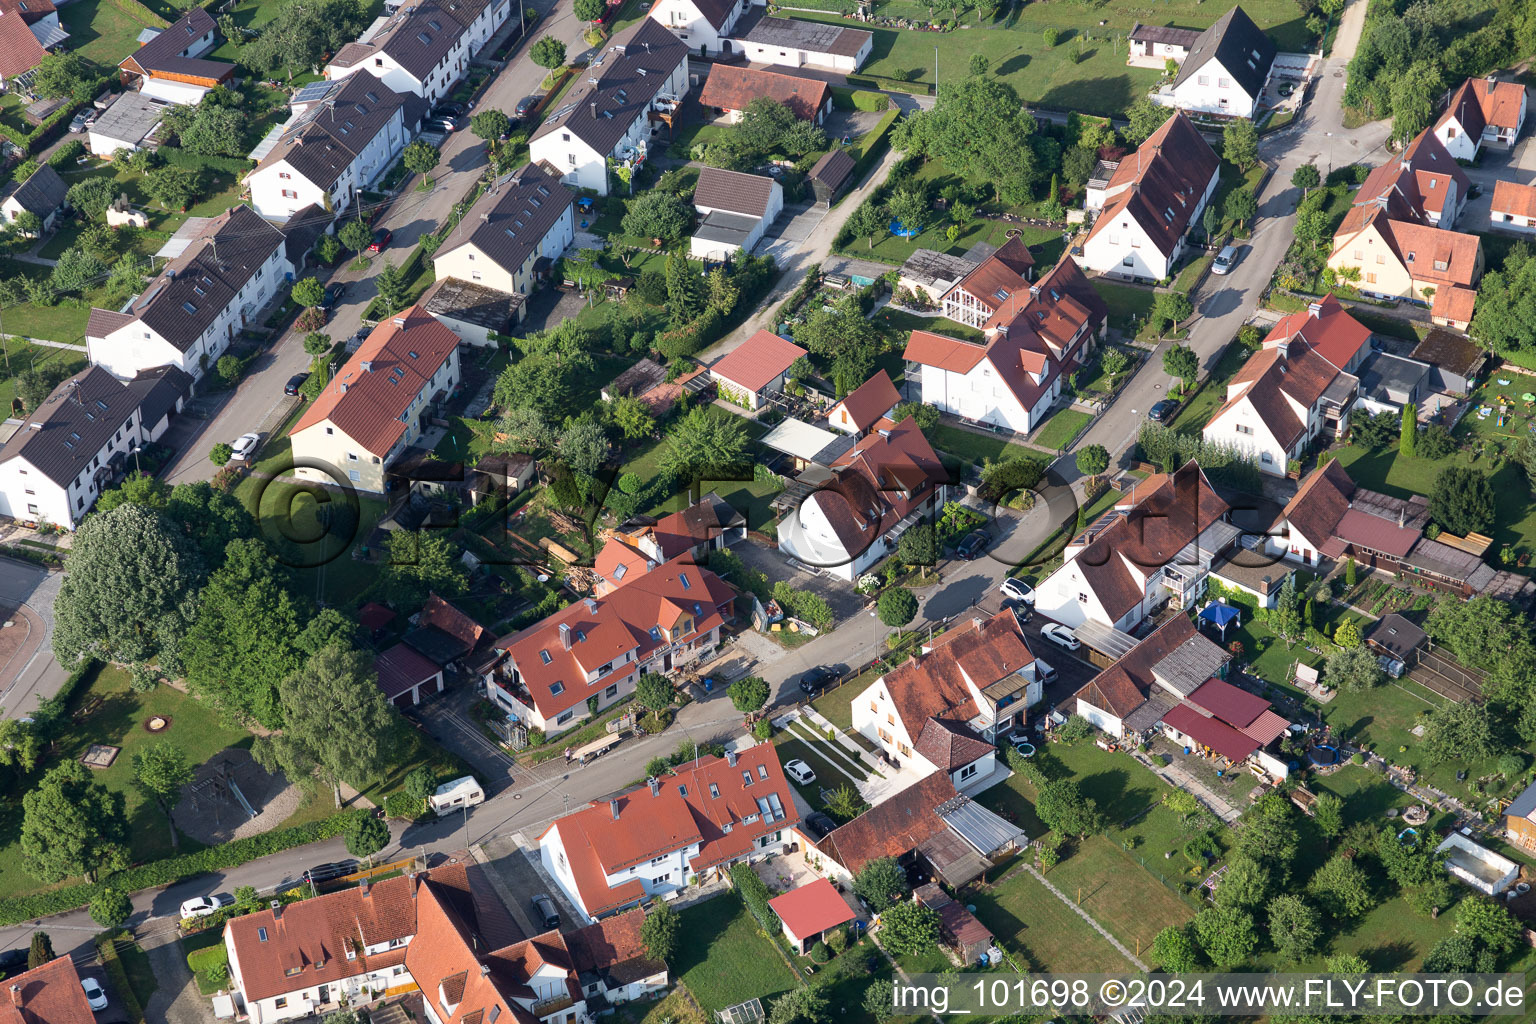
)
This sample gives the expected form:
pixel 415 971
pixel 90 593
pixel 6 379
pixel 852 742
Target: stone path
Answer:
pixel 1133 958
pixel 177 1000
pixel 1181 779
pixel 45 343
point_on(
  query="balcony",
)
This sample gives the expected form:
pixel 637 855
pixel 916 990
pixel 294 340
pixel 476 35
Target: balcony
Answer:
pixel 554 1004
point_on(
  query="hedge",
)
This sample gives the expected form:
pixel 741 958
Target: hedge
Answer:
pixel 16 909
pixel 873 146
pixel 66 154
pixel 175 156
pixel 890 84
pixel 859 99
pixel 44 132
pixel 106 945
pixel 755 894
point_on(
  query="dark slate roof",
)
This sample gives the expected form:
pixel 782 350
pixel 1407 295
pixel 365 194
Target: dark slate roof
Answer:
pixel 158 389
pixel 164 52
pixel 417 36
pixel 302 231
pixel 1396 635
pixel 188 295
pixel 633 71
pixel 81 415
pixel 734 192
pixel 324 140
pixel 1524 804
pixel 42 193
pixel 508 222
pixel 833 169
pixel 811 36
pixel 1232 41
pixel 472 303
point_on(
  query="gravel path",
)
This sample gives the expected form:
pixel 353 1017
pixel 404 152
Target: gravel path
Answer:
pixel 177 1000
pixel 211 818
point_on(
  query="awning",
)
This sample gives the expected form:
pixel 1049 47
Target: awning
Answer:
pixel 985 831
pixel 1220 615
pixel 1266 728
pixel 1208 732
pixel 807 442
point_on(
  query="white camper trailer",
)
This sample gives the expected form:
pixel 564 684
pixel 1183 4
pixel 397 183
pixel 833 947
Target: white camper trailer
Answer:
pixel 452 796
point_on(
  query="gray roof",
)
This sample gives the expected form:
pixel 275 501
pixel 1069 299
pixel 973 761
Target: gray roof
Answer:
pixel 1450 562
pixel 130 118
pixel 1392 379
pixel 1522 805
pixel 510 220
pixel 986 832
pixel 42 193
pixel 726 228
pixel 322 142
pixel 166 52
pixel 833 169
pixel 811 36
pixel 1396 635
pixel 1186 668
pixel 929 266
pixel 734 192
pixel 192 290
pixel 1232 42
pixel 417 36
pixel 472 303
pixel 619 87
pixel 74 422
pixel 1184 37
pixel 302 231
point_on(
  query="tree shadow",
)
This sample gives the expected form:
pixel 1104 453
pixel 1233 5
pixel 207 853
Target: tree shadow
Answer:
pixel 1018 62
pixel 1105 96
pixel 1393 956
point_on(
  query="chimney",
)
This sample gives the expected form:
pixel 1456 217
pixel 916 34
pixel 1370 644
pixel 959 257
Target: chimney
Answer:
pixel 277 909
pixel 613 808
pixel 591 603
pixel 565 636
pixel 730 758
pixel 1402 518
pixel 367 366
pixel 594 109
pixel 485 970
pixel 1264 586
pixel 1314 309
pixel 655 785
pixel 15 995
pixel 365 888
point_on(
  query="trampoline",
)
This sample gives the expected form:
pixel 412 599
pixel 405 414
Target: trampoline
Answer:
pixel 1409 837
pixel 901 231
pixel 1025 748
pixel 1323 755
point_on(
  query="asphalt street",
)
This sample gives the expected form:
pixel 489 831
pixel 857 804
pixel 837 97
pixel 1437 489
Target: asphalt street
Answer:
pixel 30 672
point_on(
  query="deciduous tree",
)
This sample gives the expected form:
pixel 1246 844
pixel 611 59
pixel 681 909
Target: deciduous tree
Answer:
pixel 111 908
pixel 749 693
pixel 896 607
pixel 355 235
pixel 1293 928
pixel 1240 143
pixel 365 835
pixel 1175 951
pixel 659 931
pixel 1092 460
pixel 658 214
pixel 909 928
pixel 655 691
pixel 72 825
pixel 706 444
pixel 548 52
pixel 1063 808
pixel 308 291
pixel 160 770
pixel 1458 731
pixel 880 883
pixel 422 563
pixel 1227 935
pixel 1342 889
pixel 1462 501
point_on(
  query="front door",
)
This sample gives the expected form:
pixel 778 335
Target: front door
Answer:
pixel 325 994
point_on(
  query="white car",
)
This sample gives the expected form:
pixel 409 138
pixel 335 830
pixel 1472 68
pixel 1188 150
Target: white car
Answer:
pixel 245 446
pixel 202 906
pixel 1224 260
pixel 800 772
pixel 1056 633
pixel 1018 590
pixel 94 993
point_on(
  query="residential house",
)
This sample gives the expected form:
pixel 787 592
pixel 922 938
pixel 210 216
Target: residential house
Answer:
pixel 734 210
pixel 1455 361
pixel 423 48
pixel 888 482
pixel 830 175
pixel 1514 207
pixel 611 961
pixel 757 368
pixel 1519 819
pixel 447 636
pixel 792 43
pixel 929 826
pixel 946 709
pixel 480 316
pixel 1331 517
pixel 512 235
pixel 1153 46
pixel 1128 699
pixel 1453 306
pixel 631 89
pixel 49 993
pixel 340 138
pixel 42 194
pixel 675 831
pixel 1037 335
pixel 379 402
pixel 1147 205
pixel 407 677
pixel 1424 185
pixel 730 89
pixel 1225 723
pixel 230 267
pixel 1404 259
pixel 129 123
pixel 1482 112
pixel 29 30
pixel 981 296
pixel 1226 71
pixel 810 912
pixel 171 66
pixel 599 647
pixel 644 543
pixel 869 403
pixel 932 274
pixel 705 26
pixel 1299 386
pixel 81 439
pixel 1157 545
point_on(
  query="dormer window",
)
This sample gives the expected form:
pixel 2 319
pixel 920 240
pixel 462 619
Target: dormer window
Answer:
pixel 656 633
pixel 714 791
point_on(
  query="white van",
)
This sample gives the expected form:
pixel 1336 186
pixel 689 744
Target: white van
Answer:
pixel 1224 260
pixel 455 795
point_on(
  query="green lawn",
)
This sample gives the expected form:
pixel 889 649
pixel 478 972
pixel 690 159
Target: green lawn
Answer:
pixel 1129 304
pixel 141 976
pixel 103 31
pixel 974 447
pixel 1045 244
pixel 19 356
pixel 1061 428
pixel 724 958
pixel 1025 916
pixel 1197 412
pixel 899 321
pixel 790 747
pixel 1111 885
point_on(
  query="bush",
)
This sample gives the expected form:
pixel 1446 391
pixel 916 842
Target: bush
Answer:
pixel 755 895
pixel 106 945
pixel 763 730
pixel 404 807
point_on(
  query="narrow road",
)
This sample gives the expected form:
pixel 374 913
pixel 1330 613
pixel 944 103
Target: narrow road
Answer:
pixel 411 215
pixel 28 671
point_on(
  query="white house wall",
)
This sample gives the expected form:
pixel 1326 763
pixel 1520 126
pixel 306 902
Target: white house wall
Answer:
pixel 975 395
pixel 278 191
pixel 1213 90
pixel 1457 142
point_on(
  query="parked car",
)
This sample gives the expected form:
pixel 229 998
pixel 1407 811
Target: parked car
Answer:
pixel 329 871
pixel 816 680
pixel 449 108
pixel 546 911
pixel 78 124
pixel 974 544
pixel 381 240
pixel 1160 411
pixel 800 772
pixel 244 446
pixel 1056 633
pixel 1018 590
pixel 1225 260
pixel 525 106
pixel 94 993
pixel 441 125
pixel 819 825
pixel 1044 671
pixel 295 383
pixel 202 906
pixel 333 294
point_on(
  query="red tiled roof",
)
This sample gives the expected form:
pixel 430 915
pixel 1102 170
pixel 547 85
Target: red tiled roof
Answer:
pixel 32 11
pixel 943 352
pixel 1466 110
pixel 1161 183
pixel 439 613
pixel 690 806
pixel 1454 303
pixel 603 630
pixel 19 49
pixel 401 668
pixel 1219 736
pixel 757 361
pixel 812 908
pixel 1327 328
pixel 1439 256
pixel 1000 275
pixel 611 941
pixel 47 994
pixel 1299 374
pixel 867 403
pixel 406 349
pixel 1408 178
pixel 877 482
pixel 1365 530
pixel 1234 706
pixel 893 827
pixel 373 615
pixel 1320 502
pixel 1124 686
pixel 1478 102
pixel 950 746
pixel 732 88
pixel 1513 198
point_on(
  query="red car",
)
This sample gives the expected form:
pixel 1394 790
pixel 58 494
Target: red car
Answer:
pixel 380 241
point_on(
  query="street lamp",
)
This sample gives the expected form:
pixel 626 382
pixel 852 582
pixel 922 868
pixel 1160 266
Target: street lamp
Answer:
pixel 136 467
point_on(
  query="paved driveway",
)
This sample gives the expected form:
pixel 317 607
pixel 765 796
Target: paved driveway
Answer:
pixel 790 231
pixel 1518 164
pixel 845 601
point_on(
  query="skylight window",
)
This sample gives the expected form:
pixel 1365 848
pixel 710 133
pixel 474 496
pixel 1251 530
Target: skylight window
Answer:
pixel 412 355
pixel 544 657
pixel 189 307
pixel 1001 294
pixel 682 791
pixel 510 232
pixel 101 405
pixel 762 771
pixel 423 37
pixel 697 608
pixel 714 791
pixel 373 97
pixel 746 778
pixel 199 289
pixel 556 689
pixel 682 578
pixel 619 572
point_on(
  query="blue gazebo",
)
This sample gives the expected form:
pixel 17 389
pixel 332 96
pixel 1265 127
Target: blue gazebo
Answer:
pixel 1221 616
